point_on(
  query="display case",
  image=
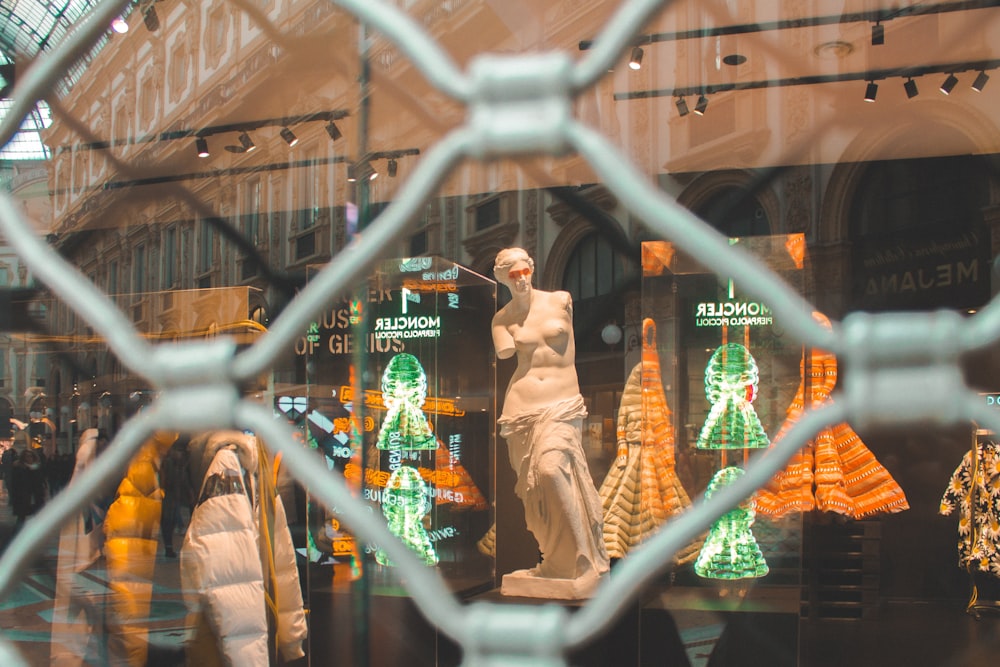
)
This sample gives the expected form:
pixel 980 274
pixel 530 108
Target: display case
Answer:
pixel 729 378
pixel 394 386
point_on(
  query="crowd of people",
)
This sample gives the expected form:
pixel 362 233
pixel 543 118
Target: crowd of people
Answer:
pixel 30 478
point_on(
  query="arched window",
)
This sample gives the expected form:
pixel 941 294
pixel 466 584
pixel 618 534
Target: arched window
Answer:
pixel 919 238
pixel 735 213
pixel 595 269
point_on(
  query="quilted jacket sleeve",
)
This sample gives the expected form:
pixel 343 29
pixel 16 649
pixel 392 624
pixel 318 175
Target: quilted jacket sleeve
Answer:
pixel 292 627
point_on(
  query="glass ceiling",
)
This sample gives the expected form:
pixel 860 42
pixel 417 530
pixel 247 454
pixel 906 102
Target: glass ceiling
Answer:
pixel 28 27
pixel 27 143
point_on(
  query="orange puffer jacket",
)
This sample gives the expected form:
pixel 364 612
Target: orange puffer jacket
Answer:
pixel 131 530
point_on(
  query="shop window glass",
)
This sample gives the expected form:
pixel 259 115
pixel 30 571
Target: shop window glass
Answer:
pixel 139 269
pixel 251 213
pixel 186 252
pixel 856 206
pixel 488 214
pixel 169 257
pixel 113 277
pixel 206 248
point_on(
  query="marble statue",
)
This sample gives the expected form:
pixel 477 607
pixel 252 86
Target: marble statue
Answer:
pixel 542 423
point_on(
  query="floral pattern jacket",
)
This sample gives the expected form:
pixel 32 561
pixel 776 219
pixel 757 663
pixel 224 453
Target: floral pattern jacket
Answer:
pixel 974 490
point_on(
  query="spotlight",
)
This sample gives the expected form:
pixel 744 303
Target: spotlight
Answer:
pixel 700 107
pixel 949 84
pixel 333 131
pixel 392 168
pixel 911 88
pixel 201 145
pixel 980 82
pixel 878 34
pixel 635 61
pixel 372 176
pixel 871 91
pixel 352 174
pixel 151 20
pixel 682 106
pixel 119 25
pixel 246 142
pixel 289 137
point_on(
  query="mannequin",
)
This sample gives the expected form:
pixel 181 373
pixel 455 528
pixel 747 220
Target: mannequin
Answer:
pixel 542 422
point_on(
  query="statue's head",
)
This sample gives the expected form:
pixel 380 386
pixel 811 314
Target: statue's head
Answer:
pixel 507 257
pixel 513 265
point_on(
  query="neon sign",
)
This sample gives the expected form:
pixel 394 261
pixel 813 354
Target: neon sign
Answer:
pixel 404 503
pixel 415 326
pixel 432 405
pixel 732 313
pixel 731 386
pixel 730 550
pixel 404 388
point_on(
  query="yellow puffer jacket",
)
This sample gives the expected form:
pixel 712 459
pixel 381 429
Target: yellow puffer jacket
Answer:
pixel 131 531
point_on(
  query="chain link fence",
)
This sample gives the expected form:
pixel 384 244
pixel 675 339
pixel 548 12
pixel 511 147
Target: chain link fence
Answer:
pixel 517 105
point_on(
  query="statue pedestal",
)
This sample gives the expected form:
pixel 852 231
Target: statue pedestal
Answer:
pixel 527 584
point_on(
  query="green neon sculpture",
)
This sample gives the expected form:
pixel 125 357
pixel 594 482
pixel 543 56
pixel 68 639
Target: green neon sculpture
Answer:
pixel 404 390
pixel 731 386
pixel 404 503
pixel 730 550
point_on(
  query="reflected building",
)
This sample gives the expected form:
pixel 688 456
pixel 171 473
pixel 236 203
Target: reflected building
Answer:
pixel 306 141
pixel 202 167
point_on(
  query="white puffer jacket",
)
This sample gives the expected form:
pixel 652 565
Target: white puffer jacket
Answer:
pixel 221 570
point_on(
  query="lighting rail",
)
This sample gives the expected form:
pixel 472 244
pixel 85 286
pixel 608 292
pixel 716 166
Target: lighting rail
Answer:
pixel 246 126
pixel 813 79
pixel 875 16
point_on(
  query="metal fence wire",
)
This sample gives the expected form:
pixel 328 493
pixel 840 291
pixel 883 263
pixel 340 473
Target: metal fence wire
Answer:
pixel 516 105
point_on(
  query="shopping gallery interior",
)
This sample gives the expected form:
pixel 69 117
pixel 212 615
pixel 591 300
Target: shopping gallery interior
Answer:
pixel 441 332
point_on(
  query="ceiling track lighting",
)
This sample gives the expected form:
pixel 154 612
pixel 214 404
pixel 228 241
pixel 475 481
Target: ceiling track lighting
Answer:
pixel 119 25
pixel 352 173
pixel 878 34
pixel 980 81
pixel 871 91
pixel 702 104
pixel 201 145
pixel 682 107
pixel 978 70
pixel 635 60
pixel 246 142
pixel 392 168
pixel 949 84
pixel 289 137
pixel 333 131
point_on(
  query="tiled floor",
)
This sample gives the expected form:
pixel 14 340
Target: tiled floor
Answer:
pixel 900 634
pixel 27 615
pixel 910 634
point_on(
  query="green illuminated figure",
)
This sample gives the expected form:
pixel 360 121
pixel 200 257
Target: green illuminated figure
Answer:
pixel 404 390
pixel 731 386
pixel 730 550
pixel 404 503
